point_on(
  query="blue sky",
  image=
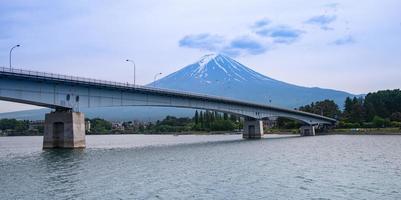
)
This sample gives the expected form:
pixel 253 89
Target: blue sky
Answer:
pixel 345 45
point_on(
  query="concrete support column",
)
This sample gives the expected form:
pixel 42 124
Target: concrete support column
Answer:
pixel 253 129
pixel 64 129
pixel 308 130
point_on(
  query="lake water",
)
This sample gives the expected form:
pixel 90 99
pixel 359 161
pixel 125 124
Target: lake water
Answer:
pixel 204 167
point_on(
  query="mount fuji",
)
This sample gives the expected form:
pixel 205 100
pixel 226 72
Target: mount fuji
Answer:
pixel 216 75
pixel 220 75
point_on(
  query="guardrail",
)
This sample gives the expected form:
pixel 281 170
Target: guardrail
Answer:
pixel 60 76
pixel 95 81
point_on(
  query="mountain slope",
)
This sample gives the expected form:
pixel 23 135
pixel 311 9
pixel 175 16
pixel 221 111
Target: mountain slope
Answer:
pixel 222 76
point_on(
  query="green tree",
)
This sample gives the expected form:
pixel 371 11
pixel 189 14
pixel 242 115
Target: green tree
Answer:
pixel 326 108
pixel 234 118
pixel 14 125
pixel 378 122
pixel 348 107
pixel 225 116
pixel 396 116
pixel 100 126
pixel 173 124
pixel 215 121
pixel 8 124
pixel 201 120
pixel 222 125
pixel 358 110
pixel 286 123
pixel 196 117
pixel 22 126
pixel 382 103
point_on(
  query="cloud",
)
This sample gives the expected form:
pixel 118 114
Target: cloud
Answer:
pixel 263 36
pixel 244 45
pixel 230 52
pixel 332 5
pixel 261 23
pixel 202 41
pixel 239 46
pixel 344 41
pixel 280 34
pixel 322 21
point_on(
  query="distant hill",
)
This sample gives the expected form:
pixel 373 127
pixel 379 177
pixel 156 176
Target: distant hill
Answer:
pixel 213 74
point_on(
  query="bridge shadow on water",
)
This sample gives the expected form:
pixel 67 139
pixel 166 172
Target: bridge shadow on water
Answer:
pixel 238 141
pixel 66 169
pixel 63 163
pixel 55 156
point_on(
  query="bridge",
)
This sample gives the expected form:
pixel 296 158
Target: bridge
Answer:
pixel 65 125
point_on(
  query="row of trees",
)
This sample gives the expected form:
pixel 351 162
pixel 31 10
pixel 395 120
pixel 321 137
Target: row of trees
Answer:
pixel 327 108
pixel 201 121
pixel 378 109
pixel 214 121
pixel 384 104
pixel 13 124
pixel 170 124
pixel 13 127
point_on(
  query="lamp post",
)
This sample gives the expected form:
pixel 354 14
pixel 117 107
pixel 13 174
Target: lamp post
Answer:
pixel 11 51
pixel 131 61
pixel 154 82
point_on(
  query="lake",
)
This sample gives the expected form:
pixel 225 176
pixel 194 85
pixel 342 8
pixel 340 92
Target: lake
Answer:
pixel 204 167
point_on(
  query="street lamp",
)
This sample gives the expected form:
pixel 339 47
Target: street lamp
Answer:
pixel 154 82
pixel 11 51
pixel 131 61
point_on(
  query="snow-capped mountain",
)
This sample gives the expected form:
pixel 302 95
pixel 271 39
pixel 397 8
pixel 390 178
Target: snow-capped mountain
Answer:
pixel 220 75
pixel 215 68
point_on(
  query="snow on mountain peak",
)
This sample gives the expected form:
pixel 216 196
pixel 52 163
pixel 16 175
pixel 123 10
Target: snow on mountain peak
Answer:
pixel 217 67
pixel 202 64
pixel 207 58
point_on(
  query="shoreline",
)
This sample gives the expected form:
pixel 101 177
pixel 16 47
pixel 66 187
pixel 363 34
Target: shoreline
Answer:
pixel 351 131
pixel 362 133
pixel 366 131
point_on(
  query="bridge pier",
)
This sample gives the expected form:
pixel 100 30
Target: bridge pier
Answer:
pixel 253 129
pixel 64 129
pixel 307 130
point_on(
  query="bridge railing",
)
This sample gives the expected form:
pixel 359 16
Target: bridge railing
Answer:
pixel 97 81
pixel 59 76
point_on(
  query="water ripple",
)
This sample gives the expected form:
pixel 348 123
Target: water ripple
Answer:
pixel 205 167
